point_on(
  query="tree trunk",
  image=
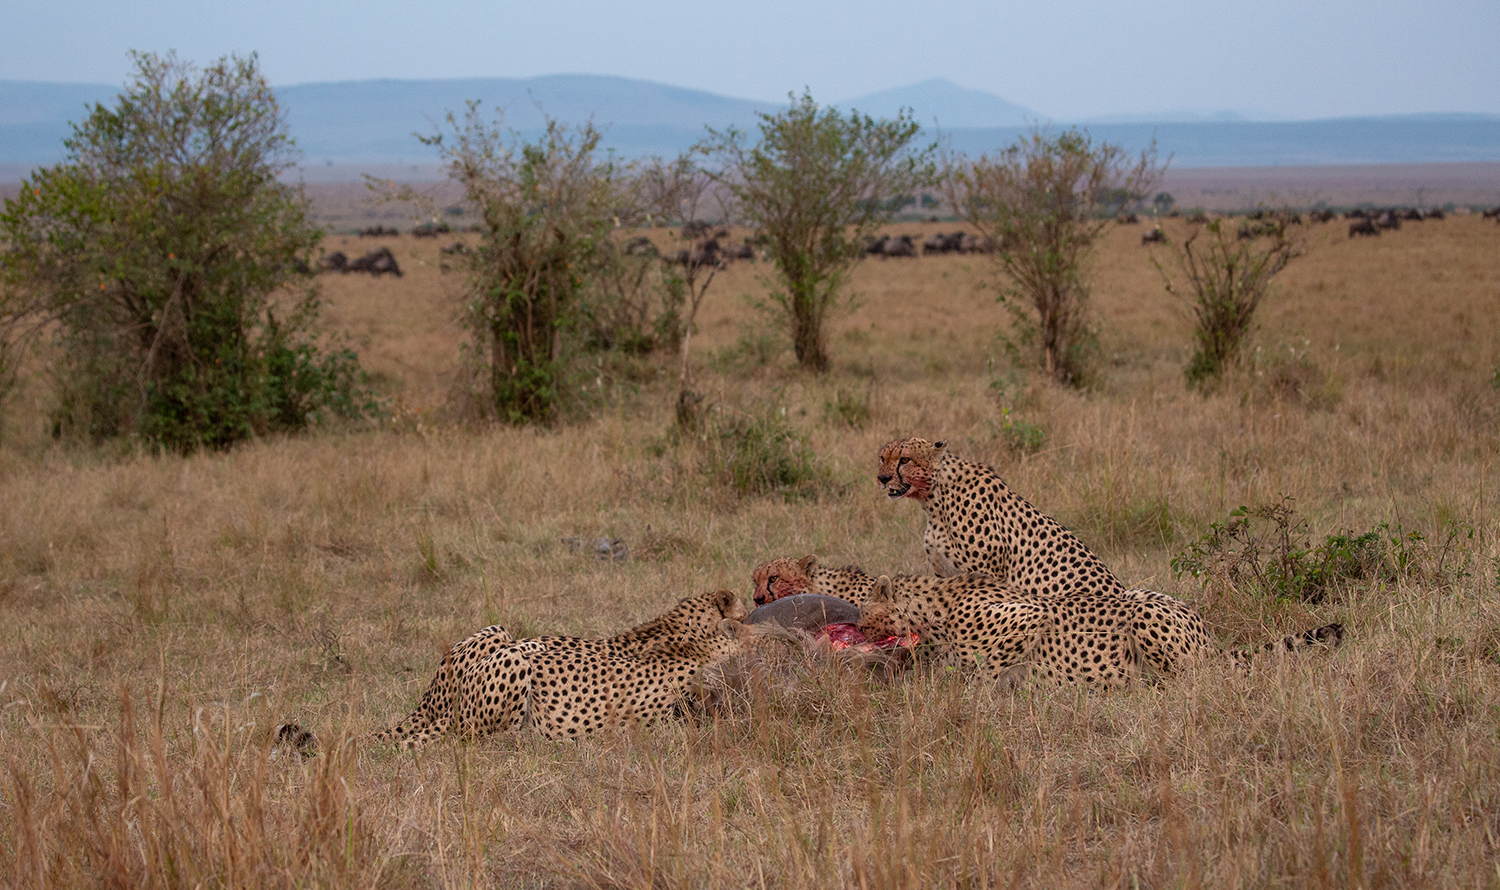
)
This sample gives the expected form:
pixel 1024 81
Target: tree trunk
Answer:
pixel 812 354
pixel 807 332
pixel 687 400
pixel 1051 361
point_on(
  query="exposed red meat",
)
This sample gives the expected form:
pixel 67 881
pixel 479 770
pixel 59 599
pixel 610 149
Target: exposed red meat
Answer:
pixel 842 636
pixel 845 636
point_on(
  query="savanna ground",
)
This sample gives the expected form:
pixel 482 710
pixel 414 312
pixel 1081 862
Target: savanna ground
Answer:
pixel 162 614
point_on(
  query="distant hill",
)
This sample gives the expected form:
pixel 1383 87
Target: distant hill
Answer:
pixel 951 105
pixel 1374 140
pixel 374 119
pixel 34 116
pixel 349 127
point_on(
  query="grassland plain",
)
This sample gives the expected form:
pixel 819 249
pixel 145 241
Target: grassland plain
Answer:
pixel 162 614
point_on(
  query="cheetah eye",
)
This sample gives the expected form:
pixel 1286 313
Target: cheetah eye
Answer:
pixel 905 460
pixel 772 580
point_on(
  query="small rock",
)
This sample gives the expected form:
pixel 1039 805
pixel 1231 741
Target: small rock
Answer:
pixel 611 548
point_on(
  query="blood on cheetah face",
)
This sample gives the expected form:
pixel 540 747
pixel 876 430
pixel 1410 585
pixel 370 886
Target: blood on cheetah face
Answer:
pixel 880 621
pixel 784 577
pixel 906 467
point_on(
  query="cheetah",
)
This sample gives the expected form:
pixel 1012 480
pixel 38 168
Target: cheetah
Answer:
pixel 562 690
pixel 1109 640
pixel 975 523
pixel 789 575
pixel 1162 634
pixel 1020 618
pixel 570 686
pixel 434 712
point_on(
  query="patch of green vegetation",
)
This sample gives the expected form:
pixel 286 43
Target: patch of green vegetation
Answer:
pixel 1019 435
pixel 1268 549
pixel 849 409
pixel 757 347
pixel 760 453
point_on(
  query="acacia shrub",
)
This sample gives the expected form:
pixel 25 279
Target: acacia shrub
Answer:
pixel 1224 278
pixel 816 185
pixel 155 250
pixel 546 210
pixel 1046 200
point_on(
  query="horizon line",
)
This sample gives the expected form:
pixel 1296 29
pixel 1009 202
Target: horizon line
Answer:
pixel 1168 116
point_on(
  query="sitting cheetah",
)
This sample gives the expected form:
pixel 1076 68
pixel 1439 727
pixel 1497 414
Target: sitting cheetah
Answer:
pixel 570 686
pixel 1068 638
pixel 975 523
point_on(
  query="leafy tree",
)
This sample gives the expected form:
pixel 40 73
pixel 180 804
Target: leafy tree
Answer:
pixel 157 248
pixel 816 185
pixel 1046 200
pixel 1225 276
pixel 547 209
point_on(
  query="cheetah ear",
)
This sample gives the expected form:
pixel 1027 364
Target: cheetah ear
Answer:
pixel 735 630
pixel 939 446
pixel 881 592
pixel 725 599
pixel 808 564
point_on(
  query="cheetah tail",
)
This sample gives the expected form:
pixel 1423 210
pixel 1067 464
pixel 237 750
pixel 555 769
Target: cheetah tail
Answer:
pixel 1329 636
pixel 433 713
pixel 298 740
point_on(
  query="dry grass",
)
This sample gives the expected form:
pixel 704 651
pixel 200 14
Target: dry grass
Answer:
pixel 162 614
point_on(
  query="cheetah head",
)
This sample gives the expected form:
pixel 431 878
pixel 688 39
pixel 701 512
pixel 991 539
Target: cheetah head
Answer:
pixel 906 467
pixel 880 618
pixel 701 614
pixel 784 577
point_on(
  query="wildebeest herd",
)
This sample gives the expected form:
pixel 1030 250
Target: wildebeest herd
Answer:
pixel 1372 222
pixel 712 247
pixel 377 262
pixel 1362 221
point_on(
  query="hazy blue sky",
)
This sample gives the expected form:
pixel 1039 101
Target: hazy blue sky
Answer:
pixel 1068 59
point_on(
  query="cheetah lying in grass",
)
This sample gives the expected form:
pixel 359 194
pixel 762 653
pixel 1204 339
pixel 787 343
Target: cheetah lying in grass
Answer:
pixel 976 620
pixel 566 687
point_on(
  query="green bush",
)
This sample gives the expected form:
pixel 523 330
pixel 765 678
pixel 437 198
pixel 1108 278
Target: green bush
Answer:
pixel 756 348
pixel 759 453
pixel 1225 276
pixel 635 305
pixel 849 409
pixel 547 209
pixel 816 184
pixel 1267 549
pixel 153 251
pixel 1046 200
pixel 1021 436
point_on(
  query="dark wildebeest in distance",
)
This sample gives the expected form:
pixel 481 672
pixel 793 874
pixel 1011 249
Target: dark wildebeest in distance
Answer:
pixel 377 262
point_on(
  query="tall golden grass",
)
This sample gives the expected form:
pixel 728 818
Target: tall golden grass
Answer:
pixel 162 614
